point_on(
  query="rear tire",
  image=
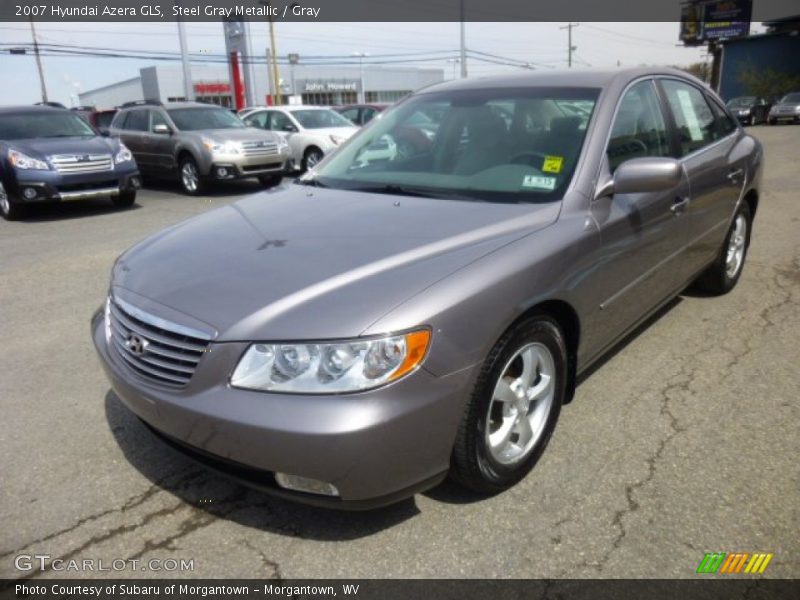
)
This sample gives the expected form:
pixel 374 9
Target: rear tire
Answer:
pixel 9 209
pixel 124 199
pixel 189 177
pixel 494 447
pixel 721 277
pixel 270 181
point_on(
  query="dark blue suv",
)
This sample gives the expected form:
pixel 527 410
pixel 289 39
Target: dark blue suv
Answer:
pixel 52 155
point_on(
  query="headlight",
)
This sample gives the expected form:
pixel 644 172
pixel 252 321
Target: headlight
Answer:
pixel 124 155
pixel 222 147
pixel 335 367
pixel 336 139
pixel 744 112
pixel 23 161
pixel 797 109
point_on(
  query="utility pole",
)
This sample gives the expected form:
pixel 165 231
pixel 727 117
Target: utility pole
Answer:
pixel 38 62
pixel 463 44
pixel 188 86
pixel 276 76
pixel 570 47
pixel 362 95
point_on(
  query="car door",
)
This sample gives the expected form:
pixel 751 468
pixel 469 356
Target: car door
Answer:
pixel 284 125
pixel 706 138
pixel 642 235
pixel 161 145
pixel 135 128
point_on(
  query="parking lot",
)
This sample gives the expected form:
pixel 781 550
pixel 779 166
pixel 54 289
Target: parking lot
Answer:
pixel 684 441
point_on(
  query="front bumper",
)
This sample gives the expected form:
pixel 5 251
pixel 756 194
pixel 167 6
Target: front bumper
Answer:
pixel 52 186
pixel 376 447
pixel 236 166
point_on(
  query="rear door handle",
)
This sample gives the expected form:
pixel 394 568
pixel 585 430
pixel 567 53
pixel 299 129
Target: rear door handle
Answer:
pixel 680 203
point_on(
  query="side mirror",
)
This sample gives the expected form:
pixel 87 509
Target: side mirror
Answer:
pixel 289 128
pixel 641 175
pixel 162 129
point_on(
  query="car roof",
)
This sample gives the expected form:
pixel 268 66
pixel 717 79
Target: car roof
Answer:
pixel 290 107
pixel 27 109
pixel 591 78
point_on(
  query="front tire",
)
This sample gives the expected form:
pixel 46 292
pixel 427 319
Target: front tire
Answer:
pixel 9 209
pixel 311 157
pixel 124 199
pixel 190 179
pixel 514 407
pixel 721 277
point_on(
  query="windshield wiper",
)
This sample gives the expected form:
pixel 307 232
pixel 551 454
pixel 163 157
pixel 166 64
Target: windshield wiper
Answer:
pixel 311 181
pixel 403 190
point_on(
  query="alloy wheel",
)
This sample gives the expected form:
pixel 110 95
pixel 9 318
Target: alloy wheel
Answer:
pixel 521 402
pixel 5 203
pixel 736 243
pixel 312 159
pixel 189 176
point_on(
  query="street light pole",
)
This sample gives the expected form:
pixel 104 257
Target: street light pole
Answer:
pixel 38 62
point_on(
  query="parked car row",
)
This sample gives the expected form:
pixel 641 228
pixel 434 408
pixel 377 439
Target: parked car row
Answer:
pixel 751 110
pixel 51 154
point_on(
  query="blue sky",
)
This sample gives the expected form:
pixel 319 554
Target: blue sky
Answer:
pixel 598 45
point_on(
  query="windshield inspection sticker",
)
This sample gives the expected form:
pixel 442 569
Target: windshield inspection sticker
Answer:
pixel 539 183
pixel 552 164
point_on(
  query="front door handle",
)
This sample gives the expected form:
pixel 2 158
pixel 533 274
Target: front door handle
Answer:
pixel 734 175
pixel 680 203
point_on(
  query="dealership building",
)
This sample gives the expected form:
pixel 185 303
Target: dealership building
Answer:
pixel 309 84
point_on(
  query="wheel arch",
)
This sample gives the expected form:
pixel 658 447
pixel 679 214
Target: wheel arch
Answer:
pixel 567 318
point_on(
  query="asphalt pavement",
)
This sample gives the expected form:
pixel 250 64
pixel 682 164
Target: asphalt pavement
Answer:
pixel 684 441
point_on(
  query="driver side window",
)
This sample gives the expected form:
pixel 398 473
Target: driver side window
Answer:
pixel 639 128
pixel 280 122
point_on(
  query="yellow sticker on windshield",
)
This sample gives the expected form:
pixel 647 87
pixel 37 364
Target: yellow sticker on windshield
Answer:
pixel 552 164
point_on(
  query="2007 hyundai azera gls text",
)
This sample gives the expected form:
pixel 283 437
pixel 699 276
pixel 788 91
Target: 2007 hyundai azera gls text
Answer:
pixel 422 302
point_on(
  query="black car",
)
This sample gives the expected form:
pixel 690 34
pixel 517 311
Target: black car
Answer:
pixel 750 110
pixel 53 155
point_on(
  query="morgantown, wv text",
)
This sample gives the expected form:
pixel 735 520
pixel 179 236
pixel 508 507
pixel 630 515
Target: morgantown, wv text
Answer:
pixel 172 10
pixel 98 590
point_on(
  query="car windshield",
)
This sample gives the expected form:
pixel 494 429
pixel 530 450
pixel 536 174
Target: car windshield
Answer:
pixel 197 119
pixel 742 101
pixel 320 119
pixel 501 145
pixel 43 125
pixel 791 98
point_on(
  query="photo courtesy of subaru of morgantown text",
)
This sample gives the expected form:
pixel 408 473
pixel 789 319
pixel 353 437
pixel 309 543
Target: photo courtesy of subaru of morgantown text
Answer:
pixel 427 312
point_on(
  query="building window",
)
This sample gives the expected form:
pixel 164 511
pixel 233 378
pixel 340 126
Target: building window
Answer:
pixel 386 96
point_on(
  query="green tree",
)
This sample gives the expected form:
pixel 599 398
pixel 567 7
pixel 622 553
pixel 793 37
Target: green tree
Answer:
pixel 698 69
pixel 768 83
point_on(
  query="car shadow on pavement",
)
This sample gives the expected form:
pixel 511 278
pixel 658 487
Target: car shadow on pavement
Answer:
pixel 226 499
pixel 237 187
pixel 62 211
pixel 452 493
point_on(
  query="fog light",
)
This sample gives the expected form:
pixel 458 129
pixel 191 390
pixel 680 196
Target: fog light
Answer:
pixel 222 172
pixel 305 484
pixel 136 183
pixel 30 193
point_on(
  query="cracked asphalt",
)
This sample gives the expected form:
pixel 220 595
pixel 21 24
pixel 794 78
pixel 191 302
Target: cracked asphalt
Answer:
pixel 684 441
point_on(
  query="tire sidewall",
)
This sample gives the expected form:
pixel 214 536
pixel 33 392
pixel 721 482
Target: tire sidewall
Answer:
pixel 729 282
pixel 185 190
pixel 542 330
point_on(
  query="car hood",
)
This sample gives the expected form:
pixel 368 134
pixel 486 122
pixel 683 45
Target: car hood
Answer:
pixel 249 134
pixel 39 147
pixel 310 263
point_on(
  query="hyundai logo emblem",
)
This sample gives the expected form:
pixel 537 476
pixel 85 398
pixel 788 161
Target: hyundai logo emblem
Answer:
pixel 136 345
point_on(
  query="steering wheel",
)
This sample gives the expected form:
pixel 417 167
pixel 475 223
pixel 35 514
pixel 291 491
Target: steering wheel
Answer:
pixel 523 159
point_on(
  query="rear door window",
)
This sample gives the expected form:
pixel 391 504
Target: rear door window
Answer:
pixel 137 121
pixel 694 119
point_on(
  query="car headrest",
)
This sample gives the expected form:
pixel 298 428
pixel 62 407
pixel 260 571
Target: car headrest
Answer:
pixel 565 125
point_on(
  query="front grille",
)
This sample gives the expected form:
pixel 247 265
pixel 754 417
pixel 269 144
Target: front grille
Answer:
pixel 82 163
pixel 164 355
pixel 251 149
